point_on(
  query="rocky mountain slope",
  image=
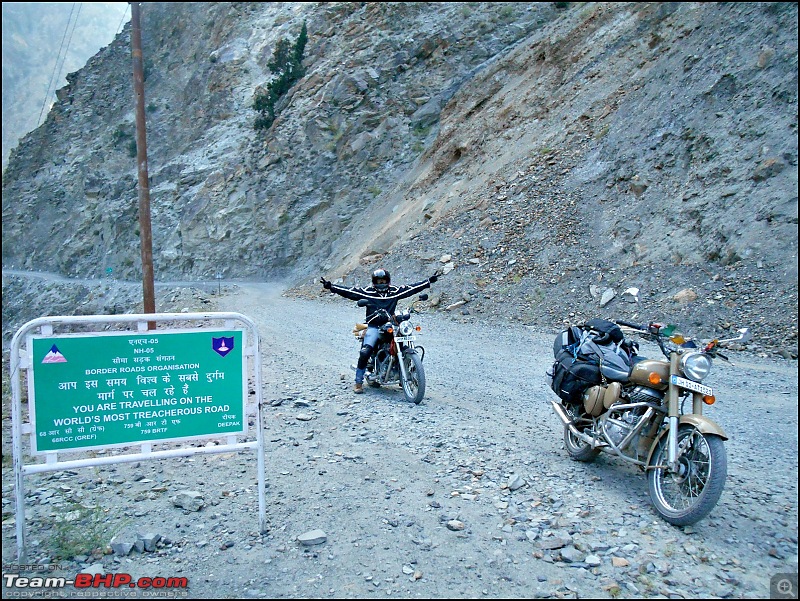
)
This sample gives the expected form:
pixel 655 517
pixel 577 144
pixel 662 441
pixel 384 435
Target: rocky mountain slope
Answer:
pixel 42 42
pixel 548 156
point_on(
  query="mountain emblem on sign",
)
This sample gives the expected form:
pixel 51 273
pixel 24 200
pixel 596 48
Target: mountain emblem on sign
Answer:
pixel 54 356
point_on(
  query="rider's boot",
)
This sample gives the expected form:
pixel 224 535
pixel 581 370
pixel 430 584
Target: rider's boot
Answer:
pixel 359 386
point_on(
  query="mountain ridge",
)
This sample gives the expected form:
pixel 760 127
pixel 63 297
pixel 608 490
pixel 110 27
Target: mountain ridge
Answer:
pixel 555 154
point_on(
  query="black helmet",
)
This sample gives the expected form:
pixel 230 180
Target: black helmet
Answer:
pixel 381 279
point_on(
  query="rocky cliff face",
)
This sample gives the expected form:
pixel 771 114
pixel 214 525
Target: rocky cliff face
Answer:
pixel 548 154
pixel 374 87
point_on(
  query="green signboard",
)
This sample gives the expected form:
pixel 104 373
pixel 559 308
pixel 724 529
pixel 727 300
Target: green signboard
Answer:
pixel 103 389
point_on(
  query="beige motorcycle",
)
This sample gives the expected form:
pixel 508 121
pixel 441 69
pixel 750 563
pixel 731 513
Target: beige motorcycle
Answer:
pixel 651 413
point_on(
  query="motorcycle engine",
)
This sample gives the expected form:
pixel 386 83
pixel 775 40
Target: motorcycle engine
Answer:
pixel 617 428
pixel 616 431
pixel 381 356
pixel 616 424
pixel 640 394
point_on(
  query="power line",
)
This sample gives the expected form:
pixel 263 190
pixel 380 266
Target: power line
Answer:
pixel 55 67
pixel 69 43
pixel 124 14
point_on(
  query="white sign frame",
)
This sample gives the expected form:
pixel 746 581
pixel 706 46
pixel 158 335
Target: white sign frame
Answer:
pixel 21 362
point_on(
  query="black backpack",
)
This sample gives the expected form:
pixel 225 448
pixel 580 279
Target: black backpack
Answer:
pixel 570 376
pixel 605 331
pixel 567 338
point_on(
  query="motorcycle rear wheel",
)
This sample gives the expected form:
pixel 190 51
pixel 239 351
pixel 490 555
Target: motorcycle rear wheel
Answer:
pixel 414 384
pixel 688 495
pixel 577 449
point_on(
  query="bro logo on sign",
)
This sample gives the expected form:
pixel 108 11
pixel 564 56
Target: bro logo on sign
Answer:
pixel 223 345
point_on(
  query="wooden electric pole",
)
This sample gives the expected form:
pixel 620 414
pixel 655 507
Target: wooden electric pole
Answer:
pixel 145 231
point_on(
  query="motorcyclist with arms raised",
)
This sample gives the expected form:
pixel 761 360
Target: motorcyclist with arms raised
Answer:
pixel 381 295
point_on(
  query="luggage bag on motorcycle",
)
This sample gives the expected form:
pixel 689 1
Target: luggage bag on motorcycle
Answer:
pixel 571 376
pixel 583 355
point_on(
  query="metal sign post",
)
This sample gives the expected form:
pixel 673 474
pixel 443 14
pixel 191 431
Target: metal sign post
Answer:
pixel 96 390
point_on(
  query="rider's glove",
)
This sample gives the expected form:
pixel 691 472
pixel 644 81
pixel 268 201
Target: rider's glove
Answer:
pixel 433 278
pixel 325 283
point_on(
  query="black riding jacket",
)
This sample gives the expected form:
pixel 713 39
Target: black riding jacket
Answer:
pixel 380 300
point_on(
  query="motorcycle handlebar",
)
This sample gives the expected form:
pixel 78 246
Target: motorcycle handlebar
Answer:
pixel 652 328
pixel 629 324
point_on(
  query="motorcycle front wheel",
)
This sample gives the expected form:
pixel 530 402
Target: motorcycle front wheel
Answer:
pixel 689 493
pixel 414 382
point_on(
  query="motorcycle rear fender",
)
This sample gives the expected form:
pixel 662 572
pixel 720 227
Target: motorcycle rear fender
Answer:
pixel 701 422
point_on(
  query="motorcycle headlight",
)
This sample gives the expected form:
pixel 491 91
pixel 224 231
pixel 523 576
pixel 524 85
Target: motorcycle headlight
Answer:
pixel 695 366
pixel 406 328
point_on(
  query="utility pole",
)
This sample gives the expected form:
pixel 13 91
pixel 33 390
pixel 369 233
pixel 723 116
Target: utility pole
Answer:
pixel 145 231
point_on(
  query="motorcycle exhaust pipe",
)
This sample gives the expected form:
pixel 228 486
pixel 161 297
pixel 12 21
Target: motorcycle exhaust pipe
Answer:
pixel 568 423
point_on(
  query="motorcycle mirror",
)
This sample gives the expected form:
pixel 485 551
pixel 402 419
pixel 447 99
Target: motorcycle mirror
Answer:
pixel 362 302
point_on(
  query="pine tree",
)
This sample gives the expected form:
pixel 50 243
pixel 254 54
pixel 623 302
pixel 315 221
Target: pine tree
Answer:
pixel 297 54
pixel 287 66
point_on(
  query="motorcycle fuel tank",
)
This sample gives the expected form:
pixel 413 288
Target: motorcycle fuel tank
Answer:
pixel 640 374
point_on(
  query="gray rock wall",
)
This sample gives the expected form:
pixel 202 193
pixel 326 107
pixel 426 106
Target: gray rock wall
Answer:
pixel 547 149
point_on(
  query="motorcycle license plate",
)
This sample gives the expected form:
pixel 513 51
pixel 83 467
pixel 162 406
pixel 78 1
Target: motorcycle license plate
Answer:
pixel 405 338
pixel 691 385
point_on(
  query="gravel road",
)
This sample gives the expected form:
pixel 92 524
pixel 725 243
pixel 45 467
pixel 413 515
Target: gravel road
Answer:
pixel 422 501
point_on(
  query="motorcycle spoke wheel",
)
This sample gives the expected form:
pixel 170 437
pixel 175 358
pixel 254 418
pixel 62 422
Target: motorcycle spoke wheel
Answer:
pixel 578 450
pixel 414 384
pixel 689 493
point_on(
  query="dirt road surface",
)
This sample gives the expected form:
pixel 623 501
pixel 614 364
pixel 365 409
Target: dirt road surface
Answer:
pixel 468 495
